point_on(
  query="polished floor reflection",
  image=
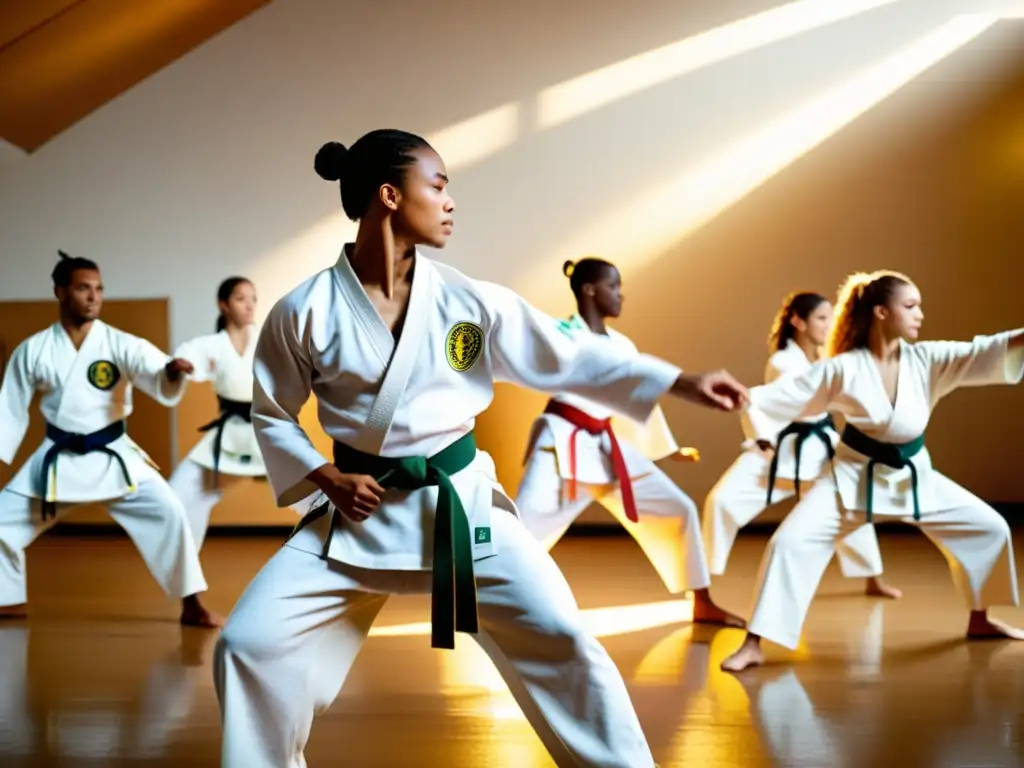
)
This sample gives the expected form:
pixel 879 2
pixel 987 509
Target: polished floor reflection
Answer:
pixel 102 675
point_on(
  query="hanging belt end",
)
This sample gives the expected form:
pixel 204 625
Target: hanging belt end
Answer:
pixel 442 638
pixel 572 489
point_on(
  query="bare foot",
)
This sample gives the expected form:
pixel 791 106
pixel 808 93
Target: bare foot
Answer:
pixel 193 614
pixel 749 655
pixel 981 627
pixel 14 611
pixel 875 587
pixel 706 612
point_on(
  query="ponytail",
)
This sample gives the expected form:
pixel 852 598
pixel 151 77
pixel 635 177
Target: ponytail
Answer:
pixel 855 308
pixel 799 304
pixel 224 291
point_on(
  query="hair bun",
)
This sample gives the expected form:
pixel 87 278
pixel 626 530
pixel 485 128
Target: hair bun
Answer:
pixel 329 162
pixel 568 268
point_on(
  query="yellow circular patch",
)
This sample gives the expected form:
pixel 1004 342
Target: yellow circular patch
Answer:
pixel 463 346
pixel 104 375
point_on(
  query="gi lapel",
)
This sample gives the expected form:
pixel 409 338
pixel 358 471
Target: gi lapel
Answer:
pixel 69 362
pixel 396 377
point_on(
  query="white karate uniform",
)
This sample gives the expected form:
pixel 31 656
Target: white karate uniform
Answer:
pixel 215 359
pixel 972 536
pixel 741 493
pixel 669 527
pixel 83 391
pixel 295 631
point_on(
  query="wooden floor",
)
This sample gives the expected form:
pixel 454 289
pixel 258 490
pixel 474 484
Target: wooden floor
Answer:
pixel 101 675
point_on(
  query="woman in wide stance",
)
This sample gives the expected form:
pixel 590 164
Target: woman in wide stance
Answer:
pixel 227 453
pixel 886 385
pixel 575 442
pixel 799 454
pixel 402 353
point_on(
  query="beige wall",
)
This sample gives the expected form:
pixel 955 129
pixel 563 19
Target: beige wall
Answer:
pixel 204 170
pixel 941 202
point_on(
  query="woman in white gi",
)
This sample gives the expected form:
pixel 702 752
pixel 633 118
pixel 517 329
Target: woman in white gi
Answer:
pixel 401 353
pixel 577 442
pixel 227 453
pixel 885 384
pixel 86 371
pixel 797 456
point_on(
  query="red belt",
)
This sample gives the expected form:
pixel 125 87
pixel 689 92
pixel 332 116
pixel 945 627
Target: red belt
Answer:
pixel 586 423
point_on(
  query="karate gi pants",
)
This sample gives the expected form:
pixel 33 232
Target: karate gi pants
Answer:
pixel 972 536
pixel 669 527
pixel 199 494
pixel 296 630
pixel 740 495
pixel 151 515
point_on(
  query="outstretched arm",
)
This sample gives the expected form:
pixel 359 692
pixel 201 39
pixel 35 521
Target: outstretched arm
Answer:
pixel 986 360
pixel 789 398
pixel 153 371
pixel 528 348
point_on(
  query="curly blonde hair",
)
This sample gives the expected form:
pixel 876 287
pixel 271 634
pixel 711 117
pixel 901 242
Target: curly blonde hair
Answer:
pixel 855 308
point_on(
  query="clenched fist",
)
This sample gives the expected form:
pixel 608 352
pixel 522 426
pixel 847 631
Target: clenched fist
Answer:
pixel 355 496
pixel 177 367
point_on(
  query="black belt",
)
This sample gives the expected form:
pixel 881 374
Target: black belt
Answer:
pixel 895 455
pixel 72 442
pixel 228 408
pixel 802 430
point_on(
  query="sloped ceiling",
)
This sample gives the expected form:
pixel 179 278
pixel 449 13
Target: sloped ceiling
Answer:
pixel 62 59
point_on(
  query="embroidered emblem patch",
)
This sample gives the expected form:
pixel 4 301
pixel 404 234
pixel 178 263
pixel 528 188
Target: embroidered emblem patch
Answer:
pixel 570 327
pixel 463 346
pixel 482 536
pixel 104 375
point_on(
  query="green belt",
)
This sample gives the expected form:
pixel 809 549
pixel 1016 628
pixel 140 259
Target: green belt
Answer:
pixel 453 598
pixel 895 455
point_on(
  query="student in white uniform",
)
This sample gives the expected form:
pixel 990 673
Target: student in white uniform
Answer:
pixel 227 453
pixel 885 384
pixel 86 371
pixel 577 442
pixel 797 457
pixel 402 353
